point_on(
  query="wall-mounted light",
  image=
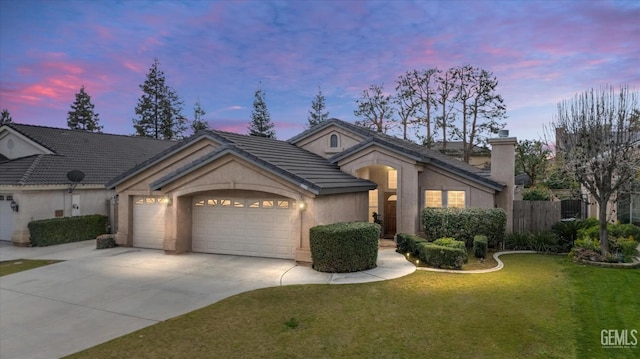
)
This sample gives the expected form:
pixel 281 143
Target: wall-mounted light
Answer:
pixel 302 206
pixel 14 206
pixel 168 200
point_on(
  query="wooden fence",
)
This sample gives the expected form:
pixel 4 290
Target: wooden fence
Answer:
pixel 535 216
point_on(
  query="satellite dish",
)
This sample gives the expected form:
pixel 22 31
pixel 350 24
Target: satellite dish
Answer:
pixel 75 176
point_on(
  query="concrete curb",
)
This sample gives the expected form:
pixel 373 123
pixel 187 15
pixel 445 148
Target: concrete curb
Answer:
pixel 478 271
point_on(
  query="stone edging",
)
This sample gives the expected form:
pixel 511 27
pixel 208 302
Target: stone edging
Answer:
pixel 476 271
pixel 635 264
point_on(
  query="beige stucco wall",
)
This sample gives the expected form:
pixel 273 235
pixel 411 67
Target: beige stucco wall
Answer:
pixel 41 202
pixel 319 143
pixel 407 205
pixel 433 178
pixel 233 176
pixel 503 170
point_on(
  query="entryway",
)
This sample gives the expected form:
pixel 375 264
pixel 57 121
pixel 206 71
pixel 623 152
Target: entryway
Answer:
pixel 390 214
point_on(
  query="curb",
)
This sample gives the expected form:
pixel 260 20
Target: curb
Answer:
pixel 478 271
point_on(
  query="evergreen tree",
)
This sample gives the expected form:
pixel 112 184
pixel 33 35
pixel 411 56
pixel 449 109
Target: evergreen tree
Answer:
pixel 159 108
pixel 5 117
pixel 199 123
pixel 82 116
pixel 261 124
pixel 317 114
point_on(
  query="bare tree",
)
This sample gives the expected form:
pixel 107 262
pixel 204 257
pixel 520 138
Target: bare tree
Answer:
pixel 416 97
pixel 374 109
pixel 532 158
pixel 444 99
pixel 480 107
pixel 598 144
pixel 406 102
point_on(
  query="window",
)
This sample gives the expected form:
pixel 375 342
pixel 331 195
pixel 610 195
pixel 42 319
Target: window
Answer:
pixel 267 204
pixel 150 200
pixel 333 141
pixel 392 179
pixel 433 199
pixel 283 204
pixel 454 199
pixel 224 202
pixel 238 204
pixel 212 202
pixel 254 204
pixel 200 203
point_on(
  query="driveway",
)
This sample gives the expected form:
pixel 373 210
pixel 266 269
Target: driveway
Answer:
pixel 97 295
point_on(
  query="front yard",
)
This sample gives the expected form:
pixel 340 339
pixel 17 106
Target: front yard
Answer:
pixel 536 307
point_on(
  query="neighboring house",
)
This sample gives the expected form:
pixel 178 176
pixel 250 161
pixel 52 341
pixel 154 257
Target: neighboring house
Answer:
pixel 220 192
pixel 480 156
pixel 623 206
pixel 35 160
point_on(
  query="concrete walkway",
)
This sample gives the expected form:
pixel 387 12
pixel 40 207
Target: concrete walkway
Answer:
pixel 97 295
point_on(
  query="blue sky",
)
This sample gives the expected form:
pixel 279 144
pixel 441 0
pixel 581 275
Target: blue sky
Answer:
pixel 220 51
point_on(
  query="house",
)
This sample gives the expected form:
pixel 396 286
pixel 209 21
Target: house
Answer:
pixel 221 192
pixel 480 155
pixel 35 161
pixel 624 206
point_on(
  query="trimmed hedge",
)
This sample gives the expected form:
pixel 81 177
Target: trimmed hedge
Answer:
pixel 48 232
pixel 344 247
pixel 452 243
pixel 465 223
pixel 441 256
pixel 408 243
pixel 480 245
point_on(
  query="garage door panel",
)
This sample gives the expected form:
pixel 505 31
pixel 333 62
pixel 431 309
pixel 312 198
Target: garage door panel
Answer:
pixel 148 222
pixel 254 227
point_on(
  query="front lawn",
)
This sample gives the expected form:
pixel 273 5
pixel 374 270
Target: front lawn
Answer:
pixel 536 307
pixel 19 265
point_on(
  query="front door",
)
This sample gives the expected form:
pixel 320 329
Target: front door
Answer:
pixel 390 210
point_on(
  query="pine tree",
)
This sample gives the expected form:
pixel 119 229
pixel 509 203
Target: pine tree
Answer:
pixel 261 124
pixel 82 116
pixel 317 114
pixel 199 123
pixel 5 117
pixel 159 108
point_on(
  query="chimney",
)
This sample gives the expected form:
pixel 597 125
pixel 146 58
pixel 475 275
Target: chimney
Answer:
pixel 503 164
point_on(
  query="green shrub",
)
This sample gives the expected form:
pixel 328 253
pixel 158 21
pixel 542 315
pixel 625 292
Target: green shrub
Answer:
pixel 567 231
pixel 465 223
pixel 587 243
pixel 480 246
pixel 65 230
pixel 627 246
pixel 624 231
pixel 408 243
pixel 537 194
pixel 344 247
pixel 452 243
pixel 518 241
pixel 545 241
pixel 441 256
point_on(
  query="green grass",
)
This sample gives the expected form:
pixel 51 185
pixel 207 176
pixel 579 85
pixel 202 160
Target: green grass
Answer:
pixel 19 265
pixel 536 307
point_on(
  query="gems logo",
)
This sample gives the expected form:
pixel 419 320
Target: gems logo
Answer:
pixel 619 339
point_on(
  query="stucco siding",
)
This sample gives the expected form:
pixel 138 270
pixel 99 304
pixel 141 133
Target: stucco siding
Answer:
pixel 435 179
pixel 319 143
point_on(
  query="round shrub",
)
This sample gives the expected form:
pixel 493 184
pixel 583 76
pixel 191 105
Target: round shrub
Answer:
pixel 344 247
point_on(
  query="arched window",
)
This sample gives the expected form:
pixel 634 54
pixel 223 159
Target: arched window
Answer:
pixel 333 141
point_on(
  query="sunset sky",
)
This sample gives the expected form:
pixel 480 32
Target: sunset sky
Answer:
pixel 219 51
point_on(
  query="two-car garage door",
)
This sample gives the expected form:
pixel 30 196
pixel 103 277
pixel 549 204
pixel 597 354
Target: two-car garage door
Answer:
pixel 262 227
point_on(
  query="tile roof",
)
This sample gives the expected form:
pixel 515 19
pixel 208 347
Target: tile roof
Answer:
pixel 299 166
pixel 417 152
pixel 100 156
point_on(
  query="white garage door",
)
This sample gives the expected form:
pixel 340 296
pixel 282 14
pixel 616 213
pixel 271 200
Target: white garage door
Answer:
pixel 251 227
pixel 6 217
pixel 148 222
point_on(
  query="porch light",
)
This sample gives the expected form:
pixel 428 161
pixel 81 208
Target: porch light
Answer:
pixel 302 206
pixel 14 206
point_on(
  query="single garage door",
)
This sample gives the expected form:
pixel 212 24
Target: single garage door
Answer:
pixel 261 227
pixel 6 217
pixel 148 221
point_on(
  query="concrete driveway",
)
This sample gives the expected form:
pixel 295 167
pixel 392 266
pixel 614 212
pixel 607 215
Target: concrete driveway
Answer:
pixel 97 295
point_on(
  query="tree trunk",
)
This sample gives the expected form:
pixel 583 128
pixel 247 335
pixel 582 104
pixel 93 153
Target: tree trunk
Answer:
pixel 604 235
